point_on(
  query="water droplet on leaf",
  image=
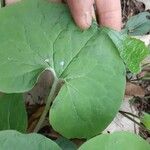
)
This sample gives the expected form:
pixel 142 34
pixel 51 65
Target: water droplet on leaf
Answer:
pixel 47 60
pixel 62 63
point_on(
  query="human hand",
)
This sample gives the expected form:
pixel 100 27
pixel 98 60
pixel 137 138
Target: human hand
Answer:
pixel 108 12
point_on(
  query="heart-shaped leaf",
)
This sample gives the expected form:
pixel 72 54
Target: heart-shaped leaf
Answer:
pixel 12 140
pixel 116 141
pixel 36 36
pixel 12 112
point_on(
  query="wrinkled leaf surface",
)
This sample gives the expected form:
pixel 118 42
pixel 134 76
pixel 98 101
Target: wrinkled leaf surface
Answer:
pixel 116 141
pixel 12 112
pixel 13 140
pixel 36 36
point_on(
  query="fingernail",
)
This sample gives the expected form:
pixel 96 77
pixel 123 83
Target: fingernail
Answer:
pixel 88 19
pixel 85 20
pixel 93 13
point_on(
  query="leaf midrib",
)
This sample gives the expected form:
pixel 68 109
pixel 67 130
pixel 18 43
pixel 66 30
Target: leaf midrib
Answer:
pixel 93 35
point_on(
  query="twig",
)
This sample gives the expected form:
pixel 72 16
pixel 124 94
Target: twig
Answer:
pixel 124 7
pixel 130 118
pixel 128 113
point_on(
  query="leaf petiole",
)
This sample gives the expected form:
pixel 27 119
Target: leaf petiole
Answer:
pixel 53 93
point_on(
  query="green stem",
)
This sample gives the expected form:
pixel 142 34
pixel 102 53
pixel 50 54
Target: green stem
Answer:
pixel 51 97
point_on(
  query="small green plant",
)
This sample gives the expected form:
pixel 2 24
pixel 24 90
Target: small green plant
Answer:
pixel 138 24
pixel 145 119
pixel 88 69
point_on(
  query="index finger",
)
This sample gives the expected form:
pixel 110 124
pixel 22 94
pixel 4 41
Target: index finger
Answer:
pixel 82 12
pixel 14 1
pixel 7 2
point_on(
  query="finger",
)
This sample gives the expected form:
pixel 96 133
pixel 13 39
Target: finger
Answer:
pixel 109 13
pixel 14 1
pixel 82 12
pixel 8 2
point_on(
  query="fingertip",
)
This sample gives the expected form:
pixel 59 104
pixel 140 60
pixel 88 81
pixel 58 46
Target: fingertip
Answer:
pixel 81 12
pixel 84 20
pixel 8 2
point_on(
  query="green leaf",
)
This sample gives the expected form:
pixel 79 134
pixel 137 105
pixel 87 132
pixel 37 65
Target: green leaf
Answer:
pixel 36 36
pixel 12 112
pixel 145 119
pixel 138 24
pixel 12 140
pixel 66 144
pixel 45 37
pixel 116 141
pixel 87 103
pixel 132 51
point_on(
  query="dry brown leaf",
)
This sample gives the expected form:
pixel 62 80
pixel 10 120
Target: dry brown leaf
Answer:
pixel 34 118
pixel 134 90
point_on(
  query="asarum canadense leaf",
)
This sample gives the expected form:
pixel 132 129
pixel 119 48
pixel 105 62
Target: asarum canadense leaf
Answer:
pixel 36 35
pixel 116 141
pixel 13 140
